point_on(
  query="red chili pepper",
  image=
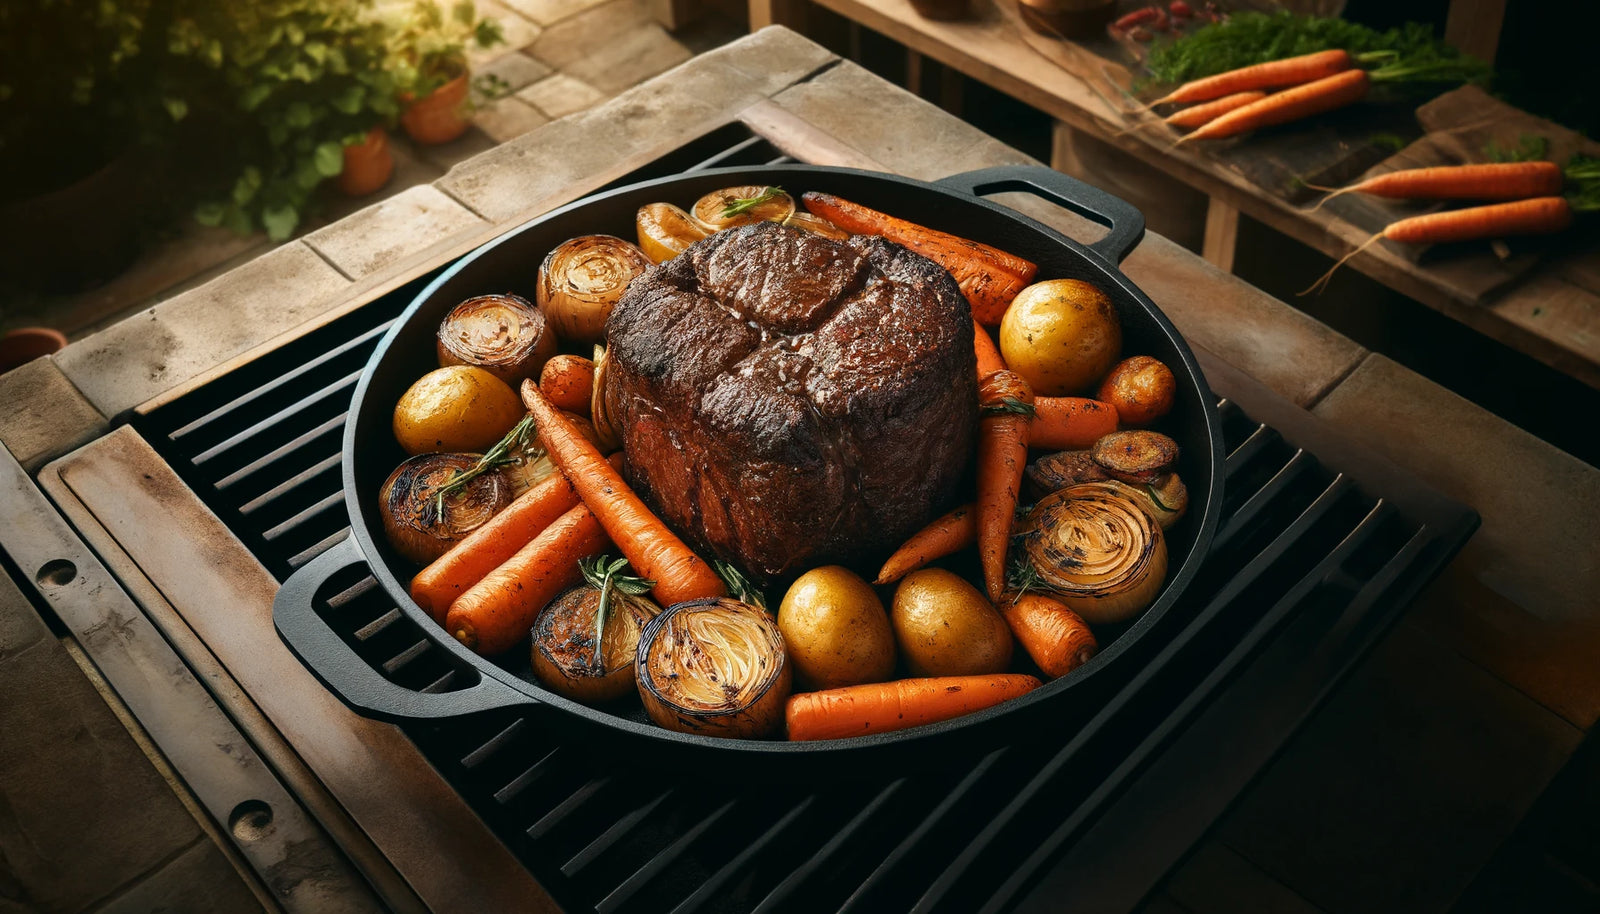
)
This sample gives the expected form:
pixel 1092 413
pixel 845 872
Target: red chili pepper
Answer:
pixel 1135 18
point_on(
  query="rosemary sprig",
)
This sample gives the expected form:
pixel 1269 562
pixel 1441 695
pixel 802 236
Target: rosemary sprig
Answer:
pixel 1155 497
pixel 503 452
pixel 744 205
pixel 606 576
pixel 740 585
pixel 1022 576
pixel 1008 406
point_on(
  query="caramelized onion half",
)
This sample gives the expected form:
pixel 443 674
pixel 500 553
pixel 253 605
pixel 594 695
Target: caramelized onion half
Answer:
pixel 1166 499
pixel 581 280
pixel 409 503
pixel 665 231
pixel 564 658
pixel 1097 549
pixel 503 334
pixel 731 206
pixel 811 222
pixel 715 667
pixel 607 436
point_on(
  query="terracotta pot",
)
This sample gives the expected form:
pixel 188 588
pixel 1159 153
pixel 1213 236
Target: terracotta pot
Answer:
pixel 25 344
pixel 440 116
pixel 367 164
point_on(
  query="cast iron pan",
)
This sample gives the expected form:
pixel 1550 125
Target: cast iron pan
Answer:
pixel 510 264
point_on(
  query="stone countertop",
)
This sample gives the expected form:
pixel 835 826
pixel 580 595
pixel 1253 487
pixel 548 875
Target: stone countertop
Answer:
pixel 1494 661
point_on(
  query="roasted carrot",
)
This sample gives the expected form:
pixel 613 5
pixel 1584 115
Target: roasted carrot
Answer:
pixel 988 276
pixel 484 549
pixel 945 536
pixel 1070 423
pixel 1484 181
pixel 1326 94
pixel 989 358
pixel 1274 74
pixel 1057 638
pixel 880 707
pixel 496 614
pixel 1192 117
pixel 1006 402
pixel 1539 216
pixel 655 551
pixel 568 380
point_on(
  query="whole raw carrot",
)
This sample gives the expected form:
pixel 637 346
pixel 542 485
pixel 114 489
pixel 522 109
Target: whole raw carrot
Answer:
pixel 484 549
pixel 1057 638
pixel 881 707
pixel 1274 74
pixel 988 276
pixel 1539 216
pixel 1070 423
pixel 496 614
pixel 1006 403
pixel 1484 181
pixel 568 380
pixel 1335 91
pixel 989 358
pixel 655 551
pixel 1194 116
pixel 945 536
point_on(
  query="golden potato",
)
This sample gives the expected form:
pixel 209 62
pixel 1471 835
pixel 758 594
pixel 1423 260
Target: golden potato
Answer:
pixel 1061 335
pixel 836 630
pixel 1141 388
pixel 457 408
pixel 945 627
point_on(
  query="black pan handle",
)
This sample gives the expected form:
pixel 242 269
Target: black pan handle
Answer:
pixel 351 678
pixel 1121 217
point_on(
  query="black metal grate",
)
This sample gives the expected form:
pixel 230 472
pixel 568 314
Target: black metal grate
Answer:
pixel 1332 546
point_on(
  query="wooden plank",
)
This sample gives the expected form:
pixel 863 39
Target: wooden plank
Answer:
pixel 1473 27
pixel 1222 234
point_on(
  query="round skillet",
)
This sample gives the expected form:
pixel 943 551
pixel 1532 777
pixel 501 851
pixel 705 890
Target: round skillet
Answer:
pixel 511 262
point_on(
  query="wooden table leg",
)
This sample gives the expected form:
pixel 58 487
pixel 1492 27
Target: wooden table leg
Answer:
pixel 1222 232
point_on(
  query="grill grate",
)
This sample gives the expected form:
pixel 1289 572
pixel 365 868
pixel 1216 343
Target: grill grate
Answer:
pixel 1336 547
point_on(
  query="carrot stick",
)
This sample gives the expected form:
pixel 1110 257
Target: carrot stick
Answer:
pixel 1070 423
pixel 989 358
pixel 1006 403
pixel 568 380
pixel 484 549
pixel 988 276
pixel 1275 74
pixel 945 536
pixel 1335 91
pixel 1189 118
pixel 1485 181
pixel 1057 638
pixel 1539 216
pixel 655 551
pixel 881 707
pixel 496 613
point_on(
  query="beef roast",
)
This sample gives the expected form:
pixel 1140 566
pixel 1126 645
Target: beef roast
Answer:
pixel 786 400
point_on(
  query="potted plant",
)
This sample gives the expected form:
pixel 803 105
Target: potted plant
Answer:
pixel 429 51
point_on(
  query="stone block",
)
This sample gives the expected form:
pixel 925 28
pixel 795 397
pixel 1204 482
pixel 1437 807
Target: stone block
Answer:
pixel 550 12
pixel 82 810
pixel 629 58
pixel 519 32
pixel 570 42
pixel 132 361
pixel 369 240
pixel 198 881
pixel 515 70
pixel 560 95
pixel 44 415
pixel 773 58
pixel 508 118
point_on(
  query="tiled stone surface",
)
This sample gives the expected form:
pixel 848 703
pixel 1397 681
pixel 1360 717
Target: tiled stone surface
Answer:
pixel 560 95
pixel 549 12
pixel 82 811
pixel 515 70
pixel 774 57
pixel 574 39
pixel 1536 553
pixel 1403 784
pixel 42 415
pixel 520 32
pixel 200 880
pixel 132 361
pixel 507 118
pixel 629 58
pixel 381 234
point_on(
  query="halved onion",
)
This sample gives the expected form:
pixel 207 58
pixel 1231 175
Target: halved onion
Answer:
pixel 731 206
pixel 527 466
pixel 1136 457
pixel 607 436
pixel 581 280
pixel 665 231
pixel 1166 499
pixel 1097 549
pixel 409 503
pixel 503 334
pixel 564 658
pixel 715 667
pixel 811 222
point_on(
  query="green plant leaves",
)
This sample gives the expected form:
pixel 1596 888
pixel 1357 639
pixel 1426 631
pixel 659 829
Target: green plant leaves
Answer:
pixel 349 100
pixel 329 159
pixel 279 221
pixel 177 108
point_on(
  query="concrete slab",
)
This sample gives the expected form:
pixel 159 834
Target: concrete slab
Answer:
pixel 132 361
pixel 630 57
pixel 560 95
pixel 383 233
pixel 44 415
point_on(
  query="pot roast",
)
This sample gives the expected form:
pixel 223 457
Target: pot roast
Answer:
pixel 787 400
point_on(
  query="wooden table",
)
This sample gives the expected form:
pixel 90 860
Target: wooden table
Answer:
pixel 1552 313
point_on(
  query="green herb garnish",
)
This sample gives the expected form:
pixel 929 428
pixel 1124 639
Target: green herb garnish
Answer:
pixel 606 576
pixel 504 451
pixel 744 205
pixel 739 585
pixel 1008 406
